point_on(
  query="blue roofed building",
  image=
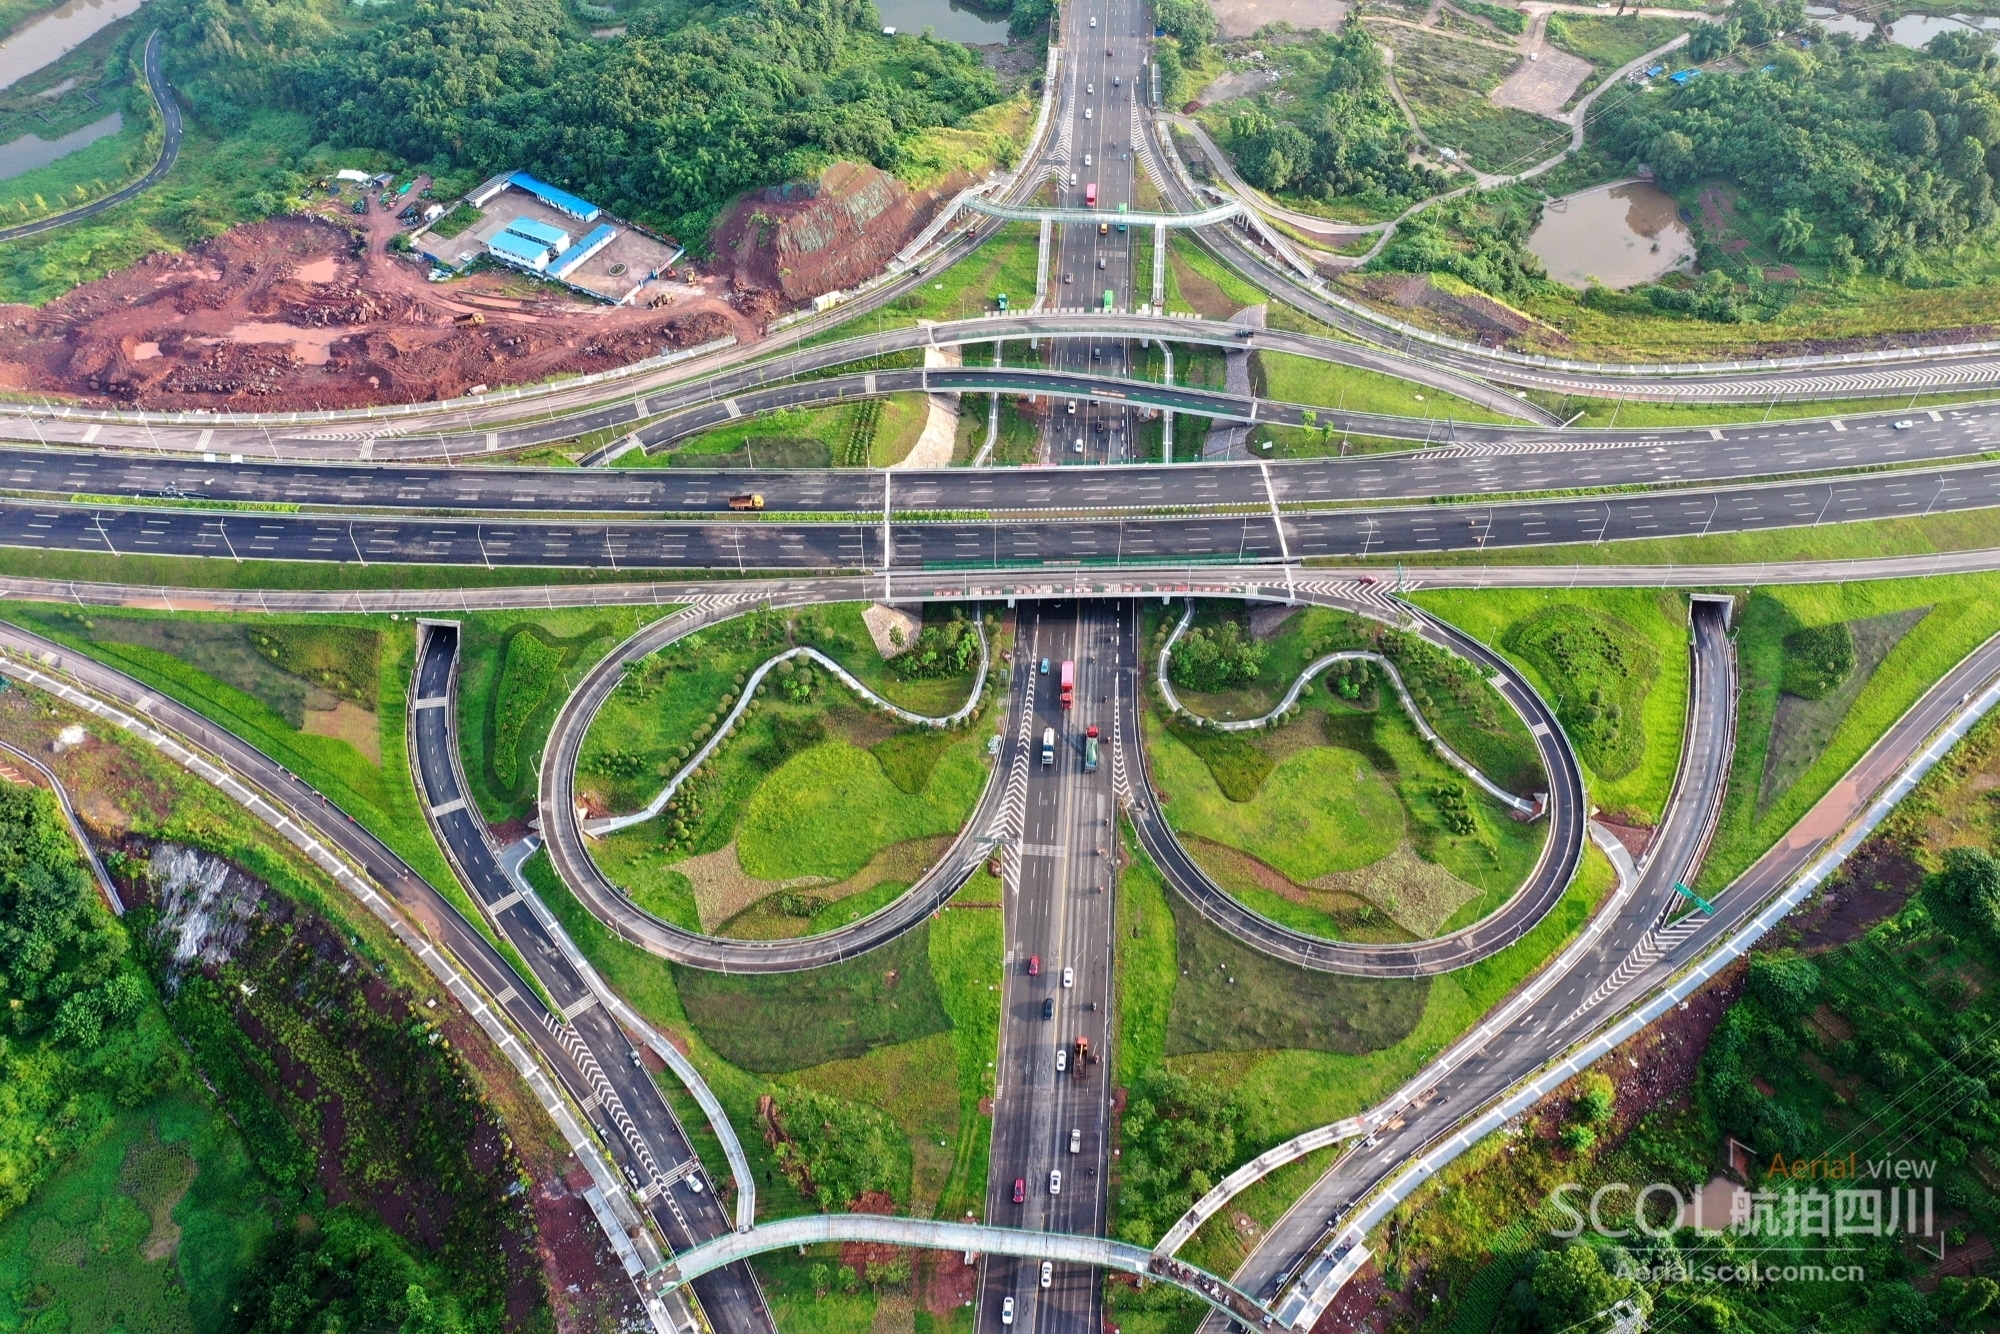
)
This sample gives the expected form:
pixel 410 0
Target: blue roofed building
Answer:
pixel 569 259
pixel 520 251
pixel 540 233
pixel 560 200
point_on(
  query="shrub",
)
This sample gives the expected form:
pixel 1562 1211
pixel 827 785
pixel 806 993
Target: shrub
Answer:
pixel 1817 659
pixel 1784 984
pixel 1181 1137
pixel 1214 660
pixel 837 1151
pixel 1601 670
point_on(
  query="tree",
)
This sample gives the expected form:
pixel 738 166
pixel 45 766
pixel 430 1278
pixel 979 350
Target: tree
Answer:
pixel 1914 132
pixel 1784 984
pixel 1572 1288
pixel 1969 881
pixel 1181 1136
pixel 1712 41
pixel 1794 232
pixel 1673 158
pixel 1213 660
pixel 1190 22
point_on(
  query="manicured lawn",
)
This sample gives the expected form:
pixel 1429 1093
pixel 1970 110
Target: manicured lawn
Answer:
pixel 1293 1090
pixel 1359 830
pixel 1322 809
pixel 1657 625
pixel 910 1029
pixel 827 811
pixel 1964 612
pixel 1295 379
pixel 515 670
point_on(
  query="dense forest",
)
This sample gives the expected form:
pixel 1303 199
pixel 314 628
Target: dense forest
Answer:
pixel 1342 138
pixel 1866 154
pixel 664 123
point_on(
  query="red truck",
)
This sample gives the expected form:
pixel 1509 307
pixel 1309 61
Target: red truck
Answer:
pixel 1068 684
pixel 1090 195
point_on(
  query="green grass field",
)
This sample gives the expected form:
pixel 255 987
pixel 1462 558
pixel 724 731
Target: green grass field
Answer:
pixel 1005 263
pixel 1288 1091
pixel 1658 625
pixel 880 1030
pixel 827 811
pixel 1964 612
pixel 149 1229
pixel 1295 379
pixel 380 795
pixel 515 670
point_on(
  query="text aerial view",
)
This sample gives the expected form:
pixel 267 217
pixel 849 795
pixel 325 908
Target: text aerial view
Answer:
pixel 946 666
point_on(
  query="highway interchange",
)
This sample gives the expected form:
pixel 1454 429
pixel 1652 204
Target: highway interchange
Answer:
pixel 1072 551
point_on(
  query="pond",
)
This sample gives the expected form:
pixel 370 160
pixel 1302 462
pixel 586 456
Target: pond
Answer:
pixel 947 19
pixel 1616 235
pixel 1834 21
pixel 55 35
pixel 23 155
pixel 1913 30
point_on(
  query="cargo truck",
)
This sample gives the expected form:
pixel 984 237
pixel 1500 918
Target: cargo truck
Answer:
pixel 1049 744
pixel 1068 684
pixel 1090 750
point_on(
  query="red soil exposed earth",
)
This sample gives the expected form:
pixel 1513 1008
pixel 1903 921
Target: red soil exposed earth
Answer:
pixel 299 313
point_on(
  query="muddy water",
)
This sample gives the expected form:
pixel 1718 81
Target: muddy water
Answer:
pixel 1615 235
pixel 948 20
pixel 1834 21
pixel 55 35
pixel 308 345
pixel 1913 30
pixel 23 155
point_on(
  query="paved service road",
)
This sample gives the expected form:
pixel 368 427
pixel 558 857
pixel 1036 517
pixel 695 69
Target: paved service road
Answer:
pixel 1486 461
pixel 1058 910
pixel 1248 535
pixel 170 151
pixel 614 908
pixel 1567 814
pixel 629 1110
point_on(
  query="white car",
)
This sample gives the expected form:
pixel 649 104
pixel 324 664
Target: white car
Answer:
pixel 1069 977
pixel 1086 113
pixel 1089 90
pixel 1007 1311
pixel 1055 1182
pixel 1902 425
pixel 1076 1141
pixel 1048 1273
pixel 1093 20
pixel 1086 162
pixel 1062 1059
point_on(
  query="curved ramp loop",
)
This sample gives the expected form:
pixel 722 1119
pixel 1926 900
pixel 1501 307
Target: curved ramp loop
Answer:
pixel 1306 677
pixel 611 824
pixel 563 823
pixel 1565 806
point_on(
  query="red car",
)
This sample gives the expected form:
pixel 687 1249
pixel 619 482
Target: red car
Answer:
pixel 1020 1190
pixel 1034 965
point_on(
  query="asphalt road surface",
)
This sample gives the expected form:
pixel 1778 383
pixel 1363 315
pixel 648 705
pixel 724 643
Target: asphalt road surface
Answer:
pixel 647 1139
pixel 1566 813
pixel 1058 911
pixel 1502 461
pixel 612 906
pixel 944 544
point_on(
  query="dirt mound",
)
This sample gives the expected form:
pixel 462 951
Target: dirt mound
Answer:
pixel 790 243
pixel 302 313
pixel 1488 321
